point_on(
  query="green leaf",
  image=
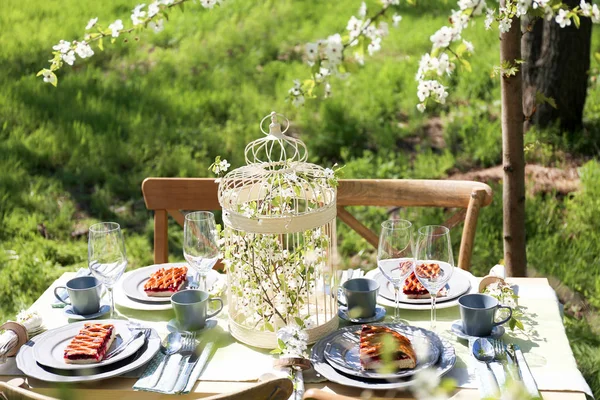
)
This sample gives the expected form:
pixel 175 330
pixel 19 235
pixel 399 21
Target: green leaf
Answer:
pixel 275 351
pixel 181 6
pixel 280 343
pixel 540 98
pixel 41 72
pixel 101 44
pixel 576 20
pixel 466 65
pixel 461 49
pixel 269 327
pixel 299 322
pixel 519 324
pixel 512 323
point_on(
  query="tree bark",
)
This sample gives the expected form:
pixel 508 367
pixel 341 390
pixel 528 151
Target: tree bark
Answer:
pixel 513 158
pixel 557 64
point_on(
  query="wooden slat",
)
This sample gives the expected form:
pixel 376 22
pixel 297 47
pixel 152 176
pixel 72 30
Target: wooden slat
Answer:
pixel 177 216
pixel 181 194
pixel 468 234
pixel 161 239
pixel 409 193
pixel 455 219
pixel 355 224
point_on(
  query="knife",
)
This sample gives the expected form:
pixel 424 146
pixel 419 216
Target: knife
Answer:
pixel 199 356
pixel 525 373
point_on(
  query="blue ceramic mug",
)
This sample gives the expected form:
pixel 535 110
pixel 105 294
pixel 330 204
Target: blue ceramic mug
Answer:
pixel 478 312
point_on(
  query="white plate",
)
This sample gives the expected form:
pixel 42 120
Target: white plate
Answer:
pixel 50 347
pixel 133 284
pixel 124 301
pixel 26 363
pixel 458 285
pixel 474 284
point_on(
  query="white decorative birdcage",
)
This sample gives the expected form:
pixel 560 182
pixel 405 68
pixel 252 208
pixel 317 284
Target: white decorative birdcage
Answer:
pixel 279 239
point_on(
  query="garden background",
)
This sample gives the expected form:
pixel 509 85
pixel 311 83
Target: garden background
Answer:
pixel 168 104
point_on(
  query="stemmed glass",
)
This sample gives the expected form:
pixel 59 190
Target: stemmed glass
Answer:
pixel 107 259
pixel 434 248
pixel 395 255
pixel 200 247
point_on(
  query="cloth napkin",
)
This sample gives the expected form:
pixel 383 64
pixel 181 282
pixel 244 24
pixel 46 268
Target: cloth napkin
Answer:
pixel 152 381
pixel 8 340
pixel 63 293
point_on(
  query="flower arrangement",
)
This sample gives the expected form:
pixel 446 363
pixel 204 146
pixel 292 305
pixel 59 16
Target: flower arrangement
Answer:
pixel 507 296
pixel 291 341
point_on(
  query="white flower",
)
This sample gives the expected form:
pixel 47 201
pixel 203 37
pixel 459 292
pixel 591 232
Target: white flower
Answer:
pixel 586 8
pixel 83 49
pixel 328 173
pixel 444 65
pixel 489 19
pixel 595 14
pixel 49 77
pixel 562 18
pixel 334 49
pixel 137 14
pixel 298 101
pixel 468 46
pixel 116 27
pixel 157 26
pixel 384 29
pixel 327 90
pixel 504 25
pixel 153 9
pixel 69 57
pixel 362 11
pixel 387 3
pixel 396 19
pixel 442 37
pixel 208 3
pixel 421 107
pixel 354 26
pixel 460 20
pixel 374 46
pixel 224 164
pixel 541 4
pixel 166 2
pixel 62 46
pixel 322 74
pixel 523 6
pixel 312 49
pixel 360 58
pixel 91 23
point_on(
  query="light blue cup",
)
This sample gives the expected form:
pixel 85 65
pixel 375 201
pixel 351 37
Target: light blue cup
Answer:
pixel 84 294
pixel 478 312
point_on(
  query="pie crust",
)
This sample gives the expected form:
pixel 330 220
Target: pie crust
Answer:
pixel 165 281
pixel 413 289
pixel 372 343
pixel 90 345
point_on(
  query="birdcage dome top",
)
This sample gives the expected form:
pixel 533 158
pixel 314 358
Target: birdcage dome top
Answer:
pixel 277 183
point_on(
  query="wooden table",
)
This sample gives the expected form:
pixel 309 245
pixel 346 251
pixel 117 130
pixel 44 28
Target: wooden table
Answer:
pixel 120 388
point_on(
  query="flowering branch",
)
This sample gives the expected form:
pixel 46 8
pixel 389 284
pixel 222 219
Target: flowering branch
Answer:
pixel 326 57
pixel 153 17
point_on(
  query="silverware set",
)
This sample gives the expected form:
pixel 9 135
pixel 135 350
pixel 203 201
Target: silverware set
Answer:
pixel 510 357
pixel 137 333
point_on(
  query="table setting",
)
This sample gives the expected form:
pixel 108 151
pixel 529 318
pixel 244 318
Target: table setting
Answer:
pixel 283 308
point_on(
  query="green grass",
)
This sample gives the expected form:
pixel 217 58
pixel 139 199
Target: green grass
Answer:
pixel 168 104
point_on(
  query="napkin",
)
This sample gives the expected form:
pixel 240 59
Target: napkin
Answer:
pixel 488 387
pixel 499 271
pixel 63 293
pixel 152 380
pixel 8 340
pixel 528 380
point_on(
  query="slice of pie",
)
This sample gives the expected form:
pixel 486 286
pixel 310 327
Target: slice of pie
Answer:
pixel 166 281
pixel 372 339
pixel 90 345
pixel 413 289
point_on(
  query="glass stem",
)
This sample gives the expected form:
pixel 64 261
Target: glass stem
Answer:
pixel 433 315
pixel 111 300
pixel 397 299
pixel 202 283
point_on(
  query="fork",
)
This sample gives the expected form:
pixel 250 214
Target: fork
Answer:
pixel 187 349
pixel 140 331
pixel 194 285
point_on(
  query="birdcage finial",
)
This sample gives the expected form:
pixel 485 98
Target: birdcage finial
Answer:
pixel 266 150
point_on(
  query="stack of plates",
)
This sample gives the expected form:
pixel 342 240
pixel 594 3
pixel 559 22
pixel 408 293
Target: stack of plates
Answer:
pixel 130 290
pixel 42 356
pixel 461 282
pixel 336 358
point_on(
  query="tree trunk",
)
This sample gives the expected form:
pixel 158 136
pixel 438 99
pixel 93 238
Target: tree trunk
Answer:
pixel 557 64
pixel 513 157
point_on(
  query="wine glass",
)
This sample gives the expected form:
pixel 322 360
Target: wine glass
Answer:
pixel 434 261
pixel 107 259
pixel 395 255
pixel 200 243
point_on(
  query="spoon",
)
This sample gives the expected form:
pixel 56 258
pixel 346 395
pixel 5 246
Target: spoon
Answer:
pixel 170 345
pixel 483 351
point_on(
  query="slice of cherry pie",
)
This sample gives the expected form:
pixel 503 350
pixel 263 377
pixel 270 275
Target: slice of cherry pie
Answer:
pixel 90 345
pixel 166 281
pixel 372 339
pixel 413 289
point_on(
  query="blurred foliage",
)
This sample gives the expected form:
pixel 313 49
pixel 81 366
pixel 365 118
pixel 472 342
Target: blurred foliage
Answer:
pixel 168 104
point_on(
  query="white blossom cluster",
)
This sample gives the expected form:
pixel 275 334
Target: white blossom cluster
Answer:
pixel 271 284
pixel 152 15
pixel 294 340
pixel 329 53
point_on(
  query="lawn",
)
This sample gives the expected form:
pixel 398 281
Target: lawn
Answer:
pixel 167 104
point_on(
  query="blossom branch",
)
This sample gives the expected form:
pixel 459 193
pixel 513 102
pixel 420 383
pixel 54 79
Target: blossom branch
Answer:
pixel 153 17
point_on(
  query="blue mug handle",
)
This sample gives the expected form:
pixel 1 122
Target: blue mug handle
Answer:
pixel 219 310
pixel 58 297
pixel 507 318
pixel 340 293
